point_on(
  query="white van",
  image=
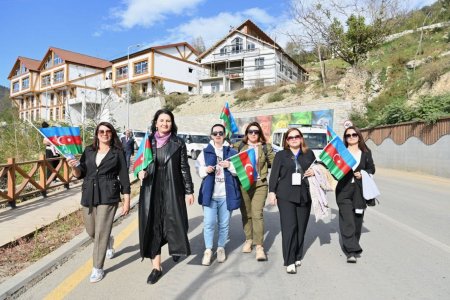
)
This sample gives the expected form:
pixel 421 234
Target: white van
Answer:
pixel 195 142
pixel 314 135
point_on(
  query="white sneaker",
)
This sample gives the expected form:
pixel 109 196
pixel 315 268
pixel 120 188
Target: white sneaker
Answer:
pixel 110 250
pixel 221 257
pixel 291 269
pixel 96 275
pixel 206 261
pixel 298 263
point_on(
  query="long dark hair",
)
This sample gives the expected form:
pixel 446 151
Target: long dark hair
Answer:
pixel 165 111
pixel 113 143
pixel 261 137
pixel 361 144
pixel 303 145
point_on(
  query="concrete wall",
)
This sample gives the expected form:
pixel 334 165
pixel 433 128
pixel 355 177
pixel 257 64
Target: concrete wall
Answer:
pixel 414 156
pixel 141 113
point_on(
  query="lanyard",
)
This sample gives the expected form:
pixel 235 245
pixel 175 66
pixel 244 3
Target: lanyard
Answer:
pixel 297 165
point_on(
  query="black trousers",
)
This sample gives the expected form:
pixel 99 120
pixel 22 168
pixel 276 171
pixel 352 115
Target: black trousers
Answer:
pixel 350 225
pixel 54 164
pixel 294 220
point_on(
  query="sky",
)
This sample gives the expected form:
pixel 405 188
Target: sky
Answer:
pixel 108 28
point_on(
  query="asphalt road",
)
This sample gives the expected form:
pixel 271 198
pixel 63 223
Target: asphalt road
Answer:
pixel 406 256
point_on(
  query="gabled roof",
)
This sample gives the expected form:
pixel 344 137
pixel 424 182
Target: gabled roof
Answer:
pixel 147 50
pixel 74 57
pixel 250 29
pixel 30 64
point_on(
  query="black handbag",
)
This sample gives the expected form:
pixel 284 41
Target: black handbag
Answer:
pixel 371 202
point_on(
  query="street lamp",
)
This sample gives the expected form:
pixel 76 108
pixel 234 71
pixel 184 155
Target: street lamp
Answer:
pixel 128 83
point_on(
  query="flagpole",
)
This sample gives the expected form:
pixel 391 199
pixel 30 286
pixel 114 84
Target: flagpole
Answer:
pixel 238 153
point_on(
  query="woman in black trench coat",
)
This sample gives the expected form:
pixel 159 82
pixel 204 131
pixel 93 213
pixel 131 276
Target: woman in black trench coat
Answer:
pixel 166 188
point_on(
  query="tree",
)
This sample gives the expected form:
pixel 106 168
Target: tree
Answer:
pixel 199 44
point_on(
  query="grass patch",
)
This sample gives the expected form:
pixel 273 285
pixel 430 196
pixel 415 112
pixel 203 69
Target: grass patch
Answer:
pixel 276 97
pixel 175 100
pixel 248 95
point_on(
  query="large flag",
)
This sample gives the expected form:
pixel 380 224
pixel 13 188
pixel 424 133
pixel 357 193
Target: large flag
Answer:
pixel 228 119
pixel 144 156
pixel 337 158
pixel 67 140
pixel 330 134
pixel 245 165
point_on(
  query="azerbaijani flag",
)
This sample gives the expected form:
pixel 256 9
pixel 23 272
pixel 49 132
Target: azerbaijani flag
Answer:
pixel 144 156
pixel 67 140
pixel 337 158
pixel 245 165
pixel 228 119
pixel 330 134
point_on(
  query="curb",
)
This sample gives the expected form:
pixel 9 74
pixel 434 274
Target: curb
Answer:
pixel 26 278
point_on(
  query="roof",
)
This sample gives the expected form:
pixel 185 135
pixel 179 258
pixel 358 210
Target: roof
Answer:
pixel 78 58
pixel 30 64
pixel 251 29
pixel 146 50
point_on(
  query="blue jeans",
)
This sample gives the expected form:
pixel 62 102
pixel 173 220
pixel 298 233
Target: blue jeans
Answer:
pixel 218 213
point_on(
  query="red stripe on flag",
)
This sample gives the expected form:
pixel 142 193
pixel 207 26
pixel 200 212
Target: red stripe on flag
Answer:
pixel 337 159
pixel 65 140
pixel 245 163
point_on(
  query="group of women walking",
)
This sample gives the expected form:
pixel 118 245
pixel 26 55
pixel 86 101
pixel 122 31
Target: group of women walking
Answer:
pixel 167 188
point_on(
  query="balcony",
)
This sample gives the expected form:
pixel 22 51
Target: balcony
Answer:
pixel 105 84
pixel 79 101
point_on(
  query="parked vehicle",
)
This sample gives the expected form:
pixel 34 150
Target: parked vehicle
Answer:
pixel 195 142
pixel 314 135
pixel 138 136
pixel 235 138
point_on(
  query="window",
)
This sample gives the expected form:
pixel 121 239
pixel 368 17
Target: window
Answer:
pixel 51 114
pixel 122 72
pixel 48 62
pixel 223 51
pixel 45 80
pixel 16 86
pixel 141 67
pixel 190 88
pixel 250 46
pixel 190 70
pixel 144 87
pixel 215 87
pixel 25 83
pixel 236 45
pixel 259 63
pixel 56 60
pixel 57 113
pixel 58 76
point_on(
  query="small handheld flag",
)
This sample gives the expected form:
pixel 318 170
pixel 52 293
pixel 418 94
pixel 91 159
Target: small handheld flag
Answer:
pixel 228 119
pixel 330 134
pixel 245 165
pixel 66 140
pixel 144 156
pixel 337 158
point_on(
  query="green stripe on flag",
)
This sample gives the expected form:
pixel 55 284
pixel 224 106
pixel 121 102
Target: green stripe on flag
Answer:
pixel 70 149
pixel 240 172
pixel 332 167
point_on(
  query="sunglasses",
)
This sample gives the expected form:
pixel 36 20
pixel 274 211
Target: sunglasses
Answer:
pixel 107 131
pixel 349 135
pixel 253 132
pixel 294 137
pixel 217 133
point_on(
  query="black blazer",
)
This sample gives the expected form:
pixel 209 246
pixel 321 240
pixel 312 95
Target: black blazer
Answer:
pixel 281 176
pixel 345 189
pixel 128 146
pixel 103 184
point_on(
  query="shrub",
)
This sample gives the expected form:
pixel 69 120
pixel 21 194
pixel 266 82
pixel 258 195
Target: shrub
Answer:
pixel 276 97
pixel 175 100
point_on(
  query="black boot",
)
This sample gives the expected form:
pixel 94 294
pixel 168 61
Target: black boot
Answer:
pixel 176 258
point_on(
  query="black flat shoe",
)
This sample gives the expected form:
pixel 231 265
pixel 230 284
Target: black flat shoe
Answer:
pixel 176 258
pixel 154 276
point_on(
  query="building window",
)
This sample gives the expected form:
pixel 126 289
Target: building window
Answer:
pixel 223 51
pixel 236 45
pixel 45 80
pixel 250 46
pixel 141 67
pixel 48 62
pixel 16 86
pixel 51 114
pixel 215 87
pixel 57 113
pixel 259 63
pixel 122 72
pixel 190 89
pixel 25 83
pixel 57 60
pixel 58 76
pixel 144 87
pixel 190 70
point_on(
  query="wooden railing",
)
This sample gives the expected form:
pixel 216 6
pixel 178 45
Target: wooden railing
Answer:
pixel 22 179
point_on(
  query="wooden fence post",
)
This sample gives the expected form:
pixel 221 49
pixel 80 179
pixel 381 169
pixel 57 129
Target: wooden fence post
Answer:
pixel 66 172
pixel 12 182
pixel 42 174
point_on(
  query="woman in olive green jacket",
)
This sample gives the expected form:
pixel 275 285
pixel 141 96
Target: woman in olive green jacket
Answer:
pixel 255 198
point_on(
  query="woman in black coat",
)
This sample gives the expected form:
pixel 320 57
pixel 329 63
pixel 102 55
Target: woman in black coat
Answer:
pixel 289 188
pixel 349 195
pixel 105 173
pixel 166 185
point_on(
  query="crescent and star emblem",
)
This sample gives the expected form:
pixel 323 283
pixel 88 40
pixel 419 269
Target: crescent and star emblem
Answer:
pixel 337 159
pixel 251 168
pixel 58 140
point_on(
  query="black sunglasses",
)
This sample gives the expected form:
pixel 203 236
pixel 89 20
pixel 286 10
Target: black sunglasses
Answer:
pixel 349 135
pixel 253 132
pixel 294 137
pixel 217 133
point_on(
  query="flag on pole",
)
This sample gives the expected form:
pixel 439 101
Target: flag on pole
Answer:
pixel 245 165
pixel 228 119
pixel 330 134
pixel 144 156
pixel 67 140
pixel 337 158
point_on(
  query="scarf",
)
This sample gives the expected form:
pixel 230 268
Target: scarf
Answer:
pixel 161 140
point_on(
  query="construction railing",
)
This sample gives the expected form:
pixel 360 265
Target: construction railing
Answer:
pixel 21 179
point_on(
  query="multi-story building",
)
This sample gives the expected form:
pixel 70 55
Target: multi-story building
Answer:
pixel 246 57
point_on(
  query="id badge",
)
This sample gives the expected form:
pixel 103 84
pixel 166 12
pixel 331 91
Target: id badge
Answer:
pixel 296 179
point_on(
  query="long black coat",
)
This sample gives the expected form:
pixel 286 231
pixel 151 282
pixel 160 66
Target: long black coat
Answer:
pixel 345 189
pixel 103 184
pixel 281 176
pixel 178 184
